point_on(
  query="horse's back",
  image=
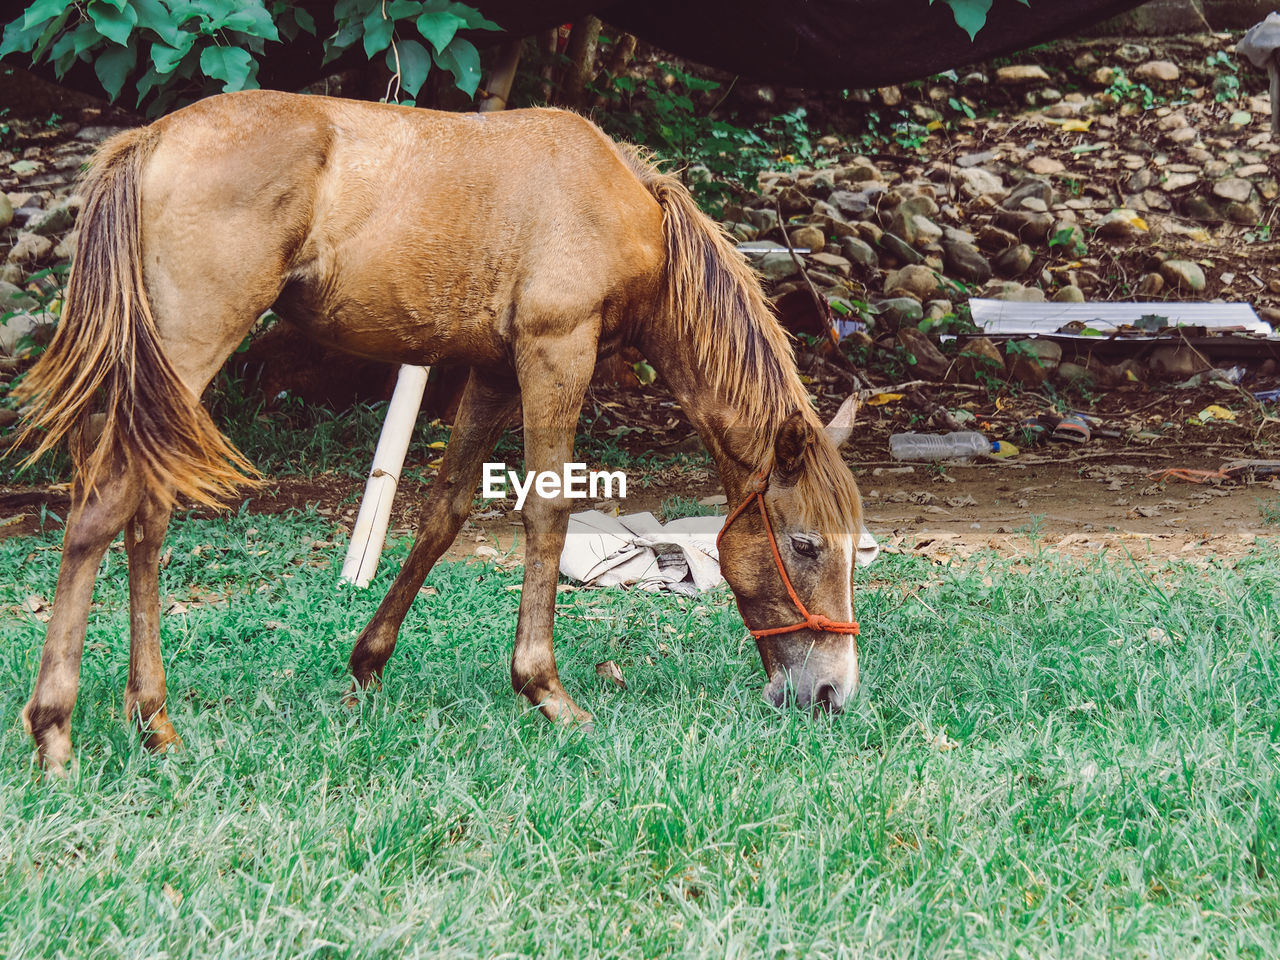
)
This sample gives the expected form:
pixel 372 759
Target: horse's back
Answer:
pixel 404 233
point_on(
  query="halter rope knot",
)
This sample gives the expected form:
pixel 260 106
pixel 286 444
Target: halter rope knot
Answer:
pixel 812 621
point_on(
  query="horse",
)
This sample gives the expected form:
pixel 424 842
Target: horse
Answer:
pixel 521 245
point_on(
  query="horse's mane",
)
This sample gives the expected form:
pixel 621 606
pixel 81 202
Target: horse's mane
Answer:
pixel 716 301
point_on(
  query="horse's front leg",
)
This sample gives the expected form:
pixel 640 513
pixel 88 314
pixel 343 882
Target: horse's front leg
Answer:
pixel 144 695
pixel 482 415
pixel 92 524
pixel 554 373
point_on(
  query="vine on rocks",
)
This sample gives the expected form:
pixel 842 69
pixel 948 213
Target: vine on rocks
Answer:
pixel 180 50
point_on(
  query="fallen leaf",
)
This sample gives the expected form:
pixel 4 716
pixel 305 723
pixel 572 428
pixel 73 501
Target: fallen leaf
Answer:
pixel 611 672
pixel 174 896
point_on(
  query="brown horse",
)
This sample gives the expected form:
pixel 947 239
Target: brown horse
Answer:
pixel 522 245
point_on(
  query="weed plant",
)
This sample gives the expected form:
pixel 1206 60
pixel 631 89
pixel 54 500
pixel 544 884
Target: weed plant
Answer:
pixel 1046 759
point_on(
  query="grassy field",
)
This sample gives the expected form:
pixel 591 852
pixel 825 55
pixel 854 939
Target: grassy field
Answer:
pixel 1047 759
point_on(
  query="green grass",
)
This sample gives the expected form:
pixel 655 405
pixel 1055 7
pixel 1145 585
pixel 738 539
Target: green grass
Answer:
pixel 1113 790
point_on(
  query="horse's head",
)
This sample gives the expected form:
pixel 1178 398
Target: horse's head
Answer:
pixel 788 551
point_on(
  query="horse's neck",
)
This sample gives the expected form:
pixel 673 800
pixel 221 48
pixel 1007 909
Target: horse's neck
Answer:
pixel 720 422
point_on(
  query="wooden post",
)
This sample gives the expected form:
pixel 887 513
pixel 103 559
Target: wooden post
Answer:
pixel 370 531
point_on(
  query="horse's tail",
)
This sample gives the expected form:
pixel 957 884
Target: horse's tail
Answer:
pixel 106 358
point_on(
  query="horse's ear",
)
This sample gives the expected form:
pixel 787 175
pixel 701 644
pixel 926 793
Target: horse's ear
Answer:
pixel 789 445
pixel 841 425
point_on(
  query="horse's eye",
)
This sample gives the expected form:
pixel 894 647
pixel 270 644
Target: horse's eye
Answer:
pixel 805 545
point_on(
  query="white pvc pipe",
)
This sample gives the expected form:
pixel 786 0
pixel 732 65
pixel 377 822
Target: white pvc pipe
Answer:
pixel 370 531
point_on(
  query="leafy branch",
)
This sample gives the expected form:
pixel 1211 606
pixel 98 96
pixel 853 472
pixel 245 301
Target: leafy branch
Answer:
pixel 180 50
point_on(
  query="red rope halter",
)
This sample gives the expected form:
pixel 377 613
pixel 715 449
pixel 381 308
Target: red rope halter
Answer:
pixel 811 621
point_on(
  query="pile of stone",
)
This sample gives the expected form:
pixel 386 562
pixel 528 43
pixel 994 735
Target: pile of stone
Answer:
pixel 1085 195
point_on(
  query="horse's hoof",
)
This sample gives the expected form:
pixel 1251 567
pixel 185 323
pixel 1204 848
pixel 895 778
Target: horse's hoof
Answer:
pixel 162 739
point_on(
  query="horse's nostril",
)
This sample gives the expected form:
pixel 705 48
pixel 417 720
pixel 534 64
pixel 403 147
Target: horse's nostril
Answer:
pixel 829 698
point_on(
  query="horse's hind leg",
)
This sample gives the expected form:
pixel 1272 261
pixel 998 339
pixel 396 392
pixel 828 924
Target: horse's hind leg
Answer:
pixel 481 416
pixel 144 695
pixel 91 526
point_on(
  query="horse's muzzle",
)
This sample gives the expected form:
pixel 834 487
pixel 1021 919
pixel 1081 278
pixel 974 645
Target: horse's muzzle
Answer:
pixel 807 691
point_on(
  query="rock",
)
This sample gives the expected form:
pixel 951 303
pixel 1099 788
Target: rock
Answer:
pixel 17 327
pixel 1176 361
pixel 899 311
pixel 12 273
pixel 975 182
pixel 964 262
pixel 1027 225
pixel 1014 292
pixel 1132 52
pixel 1102 76
pixel 1045 165
pixel 6 211
pixel 1245 213
pixel 763 219
pixel 66 248
pixel 1015 261
pixel 1021 73
pixel 833 263
pixel 900 249
pixel 1122 224
pixel 993 238
pixel 922 230
pixel 819 185
pixel 777 266
pixel 912 281
pixel 1029 187
pixel 1031 362
pixel 979 357
pixel 850 204
pixel 1178 181
pixel 1233 188
pixel 30 248
pixel 808 237
pixel 793 202
pixel 1199 208
pixel 1183 275
pixel 930 363
pixel 1071 373
pixel 1069 294
pixel 890 96
pixel 858 252
pixel 1150 285
pixel 13 297
pixel 937 309
pixel 1156 71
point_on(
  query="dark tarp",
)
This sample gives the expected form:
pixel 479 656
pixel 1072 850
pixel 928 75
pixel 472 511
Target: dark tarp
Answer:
pixel 830 44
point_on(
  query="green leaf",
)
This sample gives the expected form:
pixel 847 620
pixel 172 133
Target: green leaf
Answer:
pixel 39 12
pixel 472 17
pixel 20 39
pixel 403 9
pixel 439 29
pixel 970 15
pixel 415 64
pixel 253 20
pixel 154 16
pixel 112 66
pixel 112 23
pixel 347 34
pixel 231 65
pixel 165 57
pixel 462 60
pixel 148 82
pixel 304 20
pixel 377 32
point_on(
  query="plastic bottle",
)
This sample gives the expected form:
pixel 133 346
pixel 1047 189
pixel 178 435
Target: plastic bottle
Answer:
pixel 960 445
